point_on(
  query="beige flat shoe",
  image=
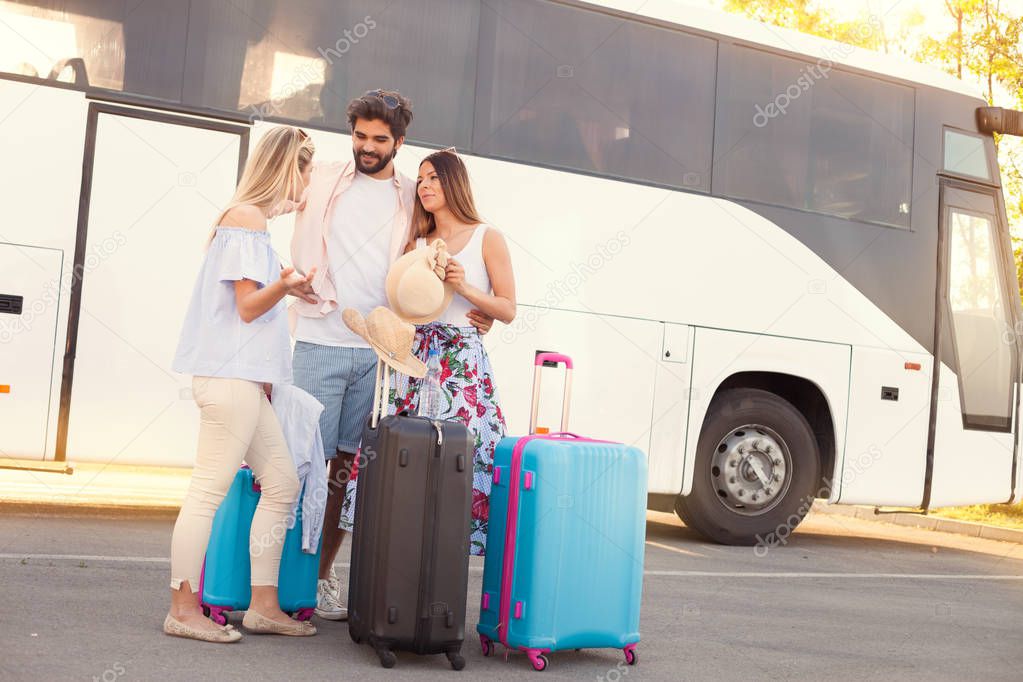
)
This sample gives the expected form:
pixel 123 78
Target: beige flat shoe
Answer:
pixel 222 635
pixel 261 625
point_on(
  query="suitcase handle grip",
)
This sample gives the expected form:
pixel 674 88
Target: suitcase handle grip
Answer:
pixel 566 398
pixel 381 393
pixel 553 357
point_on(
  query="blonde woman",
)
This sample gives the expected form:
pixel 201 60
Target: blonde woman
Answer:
pixel 235 344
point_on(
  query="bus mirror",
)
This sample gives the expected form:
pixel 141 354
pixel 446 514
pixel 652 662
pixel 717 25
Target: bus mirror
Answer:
pixel 999 120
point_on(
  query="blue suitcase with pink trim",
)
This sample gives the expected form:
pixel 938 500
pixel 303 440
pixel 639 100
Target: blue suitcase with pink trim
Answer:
pixel 225 581
pixel 564 563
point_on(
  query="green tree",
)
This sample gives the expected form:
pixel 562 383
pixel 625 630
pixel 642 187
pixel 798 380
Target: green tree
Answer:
pixel 807 16
pixel 984 44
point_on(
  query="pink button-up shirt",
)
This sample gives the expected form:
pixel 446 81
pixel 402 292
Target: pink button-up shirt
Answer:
pixel 309 243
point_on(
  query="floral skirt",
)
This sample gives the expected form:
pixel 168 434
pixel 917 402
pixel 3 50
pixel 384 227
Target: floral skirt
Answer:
pixel 471 398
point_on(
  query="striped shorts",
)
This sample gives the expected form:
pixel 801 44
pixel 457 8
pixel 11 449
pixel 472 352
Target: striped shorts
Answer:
pixel 342 378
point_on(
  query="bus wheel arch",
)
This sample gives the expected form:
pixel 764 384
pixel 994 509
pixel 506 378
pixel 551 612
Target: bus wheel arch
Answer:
pixel 759 460
pixel 805 396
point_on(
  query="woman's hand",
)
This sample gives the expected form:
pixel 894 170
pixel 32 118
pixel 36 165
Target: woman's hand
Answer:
pixel 454 274
pixel 288 206
pixel 480 320
pixel 298 285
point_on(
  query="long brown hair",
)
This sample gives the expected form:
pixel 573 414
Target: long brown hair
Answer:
pixel 454 181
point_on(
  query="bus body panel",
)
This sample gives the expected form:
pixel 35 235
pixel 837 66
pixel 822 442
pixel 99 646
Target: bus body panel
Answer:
pixel 41 177
pixel 577 243
pixel 26 346
pixel 889 409
pixel 718 354
pixel 970 466
pixel 670 420
pixel 612 384
pixel 1018 482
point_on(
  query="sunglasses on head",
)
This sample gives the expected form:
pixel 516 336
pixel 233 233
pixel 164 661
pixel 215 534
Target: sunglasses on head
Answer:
pixel 390 100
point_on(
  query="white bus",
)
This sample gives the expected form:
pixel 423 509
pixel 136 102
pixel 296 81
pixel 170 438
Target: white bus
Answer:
pixel 782 265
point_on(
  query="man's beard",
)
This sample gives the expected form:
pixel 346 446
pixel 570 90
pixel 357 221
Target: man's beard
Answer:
pixel 381 162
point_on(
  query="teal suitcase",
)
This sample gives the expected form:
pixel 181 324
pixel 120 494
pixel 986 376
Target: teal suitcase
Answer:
pixel 564 564
pixel 225 581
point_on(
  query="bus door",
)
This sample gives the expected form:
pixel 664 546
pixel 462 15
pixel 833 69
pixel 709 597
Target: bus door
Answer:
pixel 972 452
pixel 152 184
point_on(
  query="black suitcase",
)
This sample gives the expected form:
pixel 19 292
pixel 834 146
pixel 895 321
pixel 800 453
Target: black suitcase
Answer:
pixel 410 546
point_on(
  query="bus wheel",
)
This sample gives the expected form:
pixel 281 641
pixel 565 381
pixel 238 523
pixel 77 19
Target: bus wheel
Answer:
pixel 757 467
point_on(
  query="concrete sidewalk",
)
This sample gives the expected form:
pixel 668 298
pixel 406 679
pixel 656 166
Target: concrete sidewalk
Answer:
pixel 112 488
pixel 96 487
pixel 926 521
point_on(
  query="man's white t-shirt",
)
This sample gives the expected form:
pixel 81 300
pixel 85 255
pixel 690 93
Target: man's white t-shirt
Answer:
pixel 358 248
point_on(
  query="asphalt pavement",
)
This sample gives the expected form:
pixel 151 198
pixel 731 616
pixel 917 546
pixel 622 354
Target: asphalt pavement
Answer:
pixel 84 597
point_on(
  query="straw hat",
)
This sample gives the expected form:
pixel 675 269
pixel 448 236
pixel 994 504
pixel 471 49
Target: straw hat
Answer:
pixel 415 285
pixel 389 336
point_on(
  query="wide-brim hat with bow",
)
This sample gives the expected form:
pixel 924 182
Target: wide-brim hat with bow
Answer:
pixel 415 284
pixel 388 335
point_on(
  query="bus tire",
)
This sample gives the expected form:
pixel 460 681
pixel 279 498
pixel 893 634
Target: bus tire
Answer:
pixel 748 437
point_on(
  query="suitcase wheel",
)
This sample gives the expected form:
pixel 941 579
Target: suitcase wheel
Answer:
pixel 456 660
pixel 486 645
pixel 303 614
pixel 215 613
pixel 538 660
pixel 631 656
pixel 387 658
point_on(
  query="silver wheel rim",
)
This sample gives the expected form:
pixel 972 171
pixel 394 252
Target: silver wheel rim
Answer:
pixel 750 470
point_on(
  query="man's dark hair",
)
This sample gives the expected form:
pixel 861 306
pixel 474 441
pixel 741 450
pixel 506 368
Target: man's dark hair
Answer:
pixel 388 106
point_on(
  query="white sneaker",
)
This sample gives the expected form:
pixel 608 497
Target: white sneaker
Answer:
pixel 334 583
pixel 327 605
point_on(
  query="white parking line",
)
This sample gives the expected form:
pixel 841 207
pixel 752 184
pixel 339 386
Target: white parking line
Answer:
pixel 882 576
pixel 668 574
pixel 678 550
pixel 89 557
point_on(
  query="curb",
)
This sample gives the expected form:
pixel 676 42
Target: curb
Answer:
pixel 925 521
pixel 93 489
pixel 91 509
pixel 142 506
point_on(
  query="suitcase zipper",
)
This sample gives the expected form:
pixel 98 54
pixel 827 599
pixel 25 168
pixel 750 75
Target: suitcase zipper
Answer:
pixel 429 542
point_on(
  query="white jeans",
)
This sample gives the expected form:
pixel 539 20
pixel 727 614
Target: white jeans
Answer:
pixel 237 423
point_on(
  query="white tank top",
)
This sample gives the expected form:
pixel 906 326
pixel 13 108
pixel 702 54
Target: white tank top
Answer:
pixel 471 258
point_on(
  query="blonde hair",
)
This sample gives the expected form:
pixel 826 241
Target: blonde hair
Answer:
pixel 274 170
pixel 454 181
